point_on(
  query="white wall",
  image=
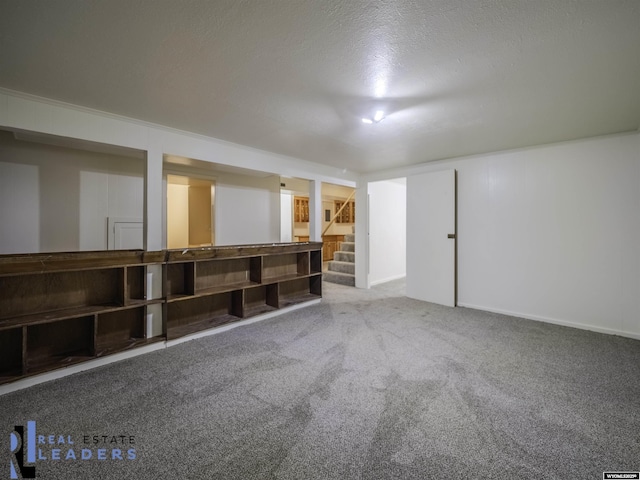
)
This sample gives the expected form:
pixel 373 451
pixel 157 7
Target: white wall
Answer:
pixel 58 199
pixel 286 217
pixel 26 112
pixel 552 233
pixel 387 230
pixel 247 209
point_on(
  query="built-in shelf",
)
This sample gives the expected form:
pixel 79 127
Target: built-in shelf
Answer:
pixel 212 286
pixel 61 309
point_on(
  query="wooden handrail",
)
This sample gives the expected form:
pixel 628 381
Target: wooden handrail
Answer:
pixel 338 213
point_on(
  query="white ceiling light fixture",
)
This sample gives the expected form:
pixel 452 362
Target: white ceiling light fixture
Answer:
pixel 378 117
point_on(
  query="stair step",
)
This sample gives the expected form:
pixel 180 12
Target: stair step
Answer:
pixel 348 247
pixel 345 256
pixel 341 278
pixel 342 267
pixel 350 237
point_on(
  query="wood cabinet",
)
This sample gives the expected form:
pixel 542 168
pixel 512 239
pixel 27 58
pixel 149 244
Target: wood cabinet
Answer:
pixel 63 308
pixel 60 309
pixel 348 214
pixel 301 209
pixel 330 245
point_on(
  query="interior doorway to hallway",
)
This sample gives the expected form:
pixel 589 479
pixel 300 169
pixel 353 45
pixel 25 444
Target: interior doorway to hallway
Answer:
pixel 190 211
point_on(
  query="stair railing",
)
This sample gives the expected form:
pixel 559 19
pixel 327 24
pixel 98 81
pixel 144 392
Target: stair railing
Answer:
pixel 338 213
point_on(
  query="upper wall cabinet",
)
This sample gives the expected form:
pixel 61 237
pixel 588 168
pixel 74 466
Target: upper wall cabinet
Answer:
pixel 348 213
pixel 301 209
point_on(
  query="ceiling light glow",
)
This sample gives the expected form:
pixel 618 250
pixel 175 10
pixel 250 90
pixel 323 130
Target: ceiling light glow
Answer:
pixel 378 117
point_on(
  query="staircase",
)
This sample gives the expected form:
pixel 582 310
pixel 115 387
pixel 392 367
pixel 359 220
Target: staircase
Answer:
pixel 342 269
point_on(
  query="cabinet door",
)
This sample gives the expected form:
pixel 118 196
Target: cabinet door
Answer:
pixel 301 209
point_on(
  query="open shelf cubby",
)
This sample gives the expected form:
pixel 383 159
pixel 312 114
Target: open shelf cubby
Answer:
pixel 180 279
pixel 201 313
pixel 300 290
pixel 11 362
pixel 219 275
pixel 285 266
pixel 315 258
pixel 58 344
pixel 135 283
pixel 120 330
pixel 261 299
pixel 59 293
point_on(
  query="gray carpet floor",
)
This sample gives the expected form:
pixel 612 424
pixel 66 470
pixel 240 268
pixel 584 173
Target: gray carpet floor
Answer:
pixel 365 385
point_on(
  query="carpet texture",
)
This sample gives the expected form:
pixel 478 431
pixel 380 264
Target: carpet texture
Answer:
pixel 365 385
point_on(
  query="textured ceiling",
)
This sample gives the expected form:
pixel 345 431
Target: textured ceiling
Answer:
pixel 296 77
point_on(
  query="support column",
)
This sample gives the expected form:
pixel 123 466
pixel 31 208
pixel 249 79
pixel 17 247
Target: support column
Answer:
pixel 362 234
pixel 153 200
pixel 153 224
pixel 315 210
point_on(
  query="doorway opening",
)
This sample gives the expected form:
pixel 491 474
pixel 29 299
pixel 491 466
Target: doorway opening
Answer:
pixel 190 211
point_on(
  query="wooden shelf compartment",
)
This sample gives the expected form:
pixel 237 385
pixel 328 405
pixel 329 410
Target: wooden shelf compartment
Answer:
pixel 315 257
pixel 219 275
pixel 315 284
pixel 202 313
pixel 55 345
pixel 300 290
pixel 120 330
pixel 135 283
pixel 179 279
pixel 284 266
pixel 260 299
pixel 49 292
pixel 11 361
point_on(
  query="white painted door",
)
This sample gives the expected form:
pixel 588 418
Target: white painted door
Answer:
pixel 431 252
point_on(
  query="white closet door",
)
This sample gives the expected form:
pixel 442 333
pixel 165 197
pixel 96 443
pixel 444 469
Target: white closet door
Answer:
pixel 431 229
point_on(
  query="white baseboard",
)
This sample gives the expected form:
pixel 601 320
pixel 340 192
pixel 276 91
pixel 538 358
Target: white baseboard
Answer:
pixel 555 321
pixel 388 279
pixel 116 357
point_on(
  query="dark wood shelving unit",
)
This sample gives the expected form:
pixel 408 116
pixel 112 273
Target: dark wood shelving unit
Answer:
pixel 237 282
pixel 61 309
